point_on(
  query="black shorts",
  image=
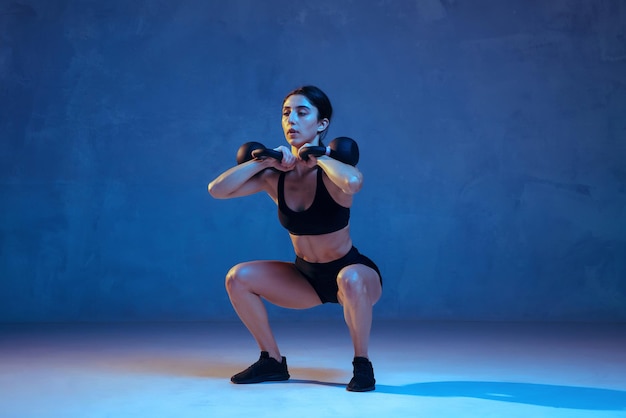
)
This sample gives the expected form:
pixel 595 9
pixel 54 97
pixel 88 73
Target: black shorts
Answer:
pixel 323 276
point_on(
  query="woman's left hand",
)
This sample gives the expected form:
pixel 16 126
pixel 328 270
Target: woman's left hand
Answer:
pixel 312 160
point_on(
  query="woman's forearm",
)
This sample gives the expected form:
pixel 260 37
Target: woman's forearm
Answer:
pixel 238 180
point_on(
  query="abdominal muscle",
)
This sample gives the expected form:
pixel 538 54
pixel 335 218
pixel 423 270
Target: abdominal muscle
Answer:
pixel 322 248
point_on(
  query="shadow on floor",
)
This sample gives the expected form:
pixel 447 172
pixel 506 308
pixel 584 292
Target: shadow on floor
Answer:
pixel 555 396
pixel 318 382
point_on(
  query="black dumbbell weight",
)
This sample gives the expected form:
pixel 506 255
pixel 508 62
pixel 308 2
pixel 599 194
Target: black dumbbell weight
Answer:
pixel 342 149
pixel 255 150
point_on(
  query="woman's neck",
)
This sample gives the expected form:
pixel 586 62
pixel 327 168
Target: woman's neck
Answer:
pixel 302 170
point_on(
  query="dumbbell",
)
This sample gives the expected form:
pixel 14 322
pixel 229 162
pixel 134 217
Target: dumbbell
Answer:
pixel 342 149
pixel 251 150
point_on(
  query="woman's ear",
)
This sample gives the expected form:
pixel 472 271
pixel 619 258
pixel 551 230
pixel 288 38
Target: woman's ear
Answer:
pixel 323 124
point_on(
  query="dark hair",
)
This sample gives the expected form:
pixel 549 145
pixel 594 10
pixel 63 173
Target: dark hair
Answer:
pixel 318 99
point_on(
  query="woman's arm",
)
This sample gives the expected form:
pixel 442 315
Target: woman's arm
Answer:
pixel 348 178
pixel 240 180
pixel 247 178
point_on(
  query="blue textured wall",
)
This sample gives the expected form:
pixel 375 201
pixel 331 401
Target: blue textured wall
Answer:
pixel 493 140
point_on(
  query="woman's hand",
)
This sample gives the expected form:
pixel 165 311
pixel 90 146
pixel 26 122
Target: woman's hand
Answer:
pixel 288 161
pixel 312 160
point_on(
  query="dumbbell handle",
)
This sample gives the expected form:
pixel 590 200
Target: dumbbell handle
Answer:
pixel 267 152
pixel 342 149
pixel 316 151
pixel 304 152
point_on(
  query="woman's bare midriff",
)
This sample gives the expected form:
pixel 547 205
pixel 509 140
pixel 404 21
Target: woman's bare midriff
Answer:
pixel 322 248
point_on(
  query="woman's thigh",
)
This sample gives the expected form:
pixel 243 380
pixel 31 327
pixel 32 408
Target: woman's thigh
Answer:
pixel 278 282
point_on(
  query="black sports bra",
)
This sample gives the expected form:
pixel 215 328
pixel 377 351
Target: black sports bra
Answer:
pixel 322 217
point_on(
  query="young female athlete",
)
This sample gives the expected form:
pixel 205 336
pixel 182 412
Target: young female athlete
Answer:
pixel 314 196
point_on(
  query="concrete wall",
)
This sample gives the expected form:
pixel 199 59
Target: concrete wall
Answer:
pixel 492 133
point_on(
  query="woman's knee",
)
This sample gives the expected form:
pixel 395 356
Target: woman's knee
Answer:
pixel 355 283
pixel 238 277
pixel 351 283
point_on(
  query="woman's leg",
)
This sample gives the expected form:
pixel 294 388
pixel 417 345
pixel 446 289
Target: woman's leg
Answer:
pixel 359 289
pixel 277 282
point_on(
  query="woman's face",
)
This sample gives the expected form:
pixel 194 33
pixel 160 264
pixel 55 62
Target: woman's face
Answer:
pixel 300 121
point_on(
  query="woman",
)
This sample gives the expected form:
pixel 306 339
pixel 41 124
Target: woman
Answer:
pixel 314 199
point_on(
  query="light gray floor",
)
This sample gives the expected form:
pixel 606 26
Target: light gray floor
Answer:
pixel 422 369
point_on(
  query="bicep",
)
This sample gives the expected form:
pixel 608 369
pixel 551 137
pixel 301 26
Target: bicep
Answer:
pixel 265 181
pixel 345 177
pixel 338 195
